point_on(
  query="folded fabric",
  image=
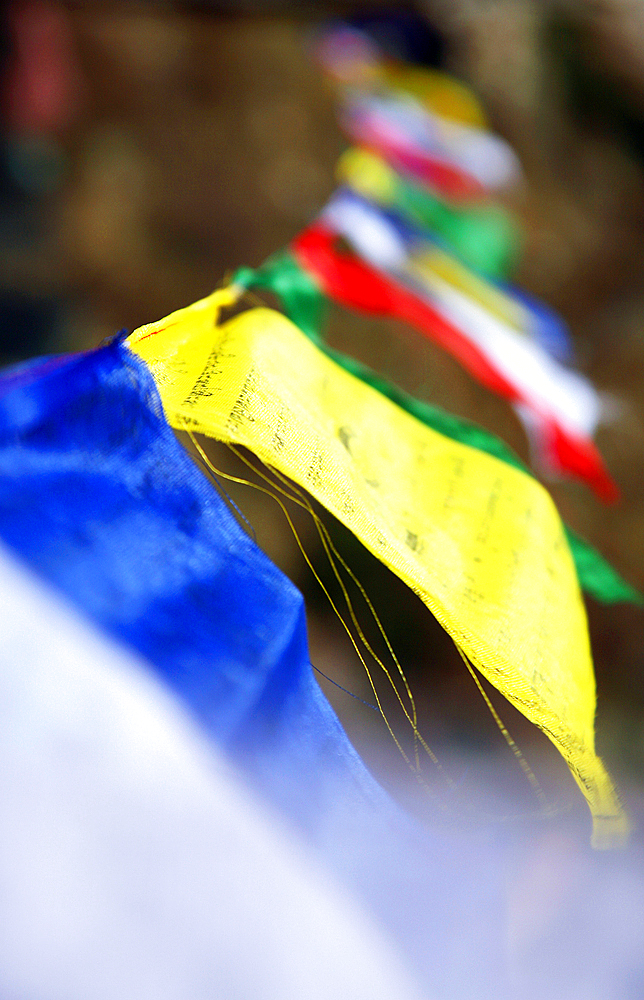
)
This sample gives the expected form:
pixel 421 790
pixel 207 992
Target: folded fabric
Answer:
pixel 134 861
pixel 98 496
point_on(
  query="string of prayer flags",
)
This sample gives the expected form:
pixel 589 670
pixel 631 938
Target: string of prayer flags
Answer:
pixel 424 123
pixel 479 541
pixel 98 497
pixel 304 305
pixel 385 275
pixel 420 163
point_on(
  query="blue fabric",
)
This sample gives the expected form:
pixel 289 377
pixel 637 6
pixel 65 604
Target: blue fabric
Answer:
pixel 99 497
pixel 26 372
pixel 545 325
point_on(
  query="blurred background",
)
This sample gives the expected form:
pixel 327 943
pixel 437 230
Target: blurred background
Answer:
pixel 149 149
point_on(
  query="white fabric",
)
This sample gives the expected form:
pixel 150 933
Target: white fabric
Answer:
pixel 550 390
pixel 406 122
pixel 133 861
pixel 368 230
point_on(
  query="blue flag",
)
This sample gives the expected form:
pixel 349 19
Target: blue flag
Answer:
pixel 98 496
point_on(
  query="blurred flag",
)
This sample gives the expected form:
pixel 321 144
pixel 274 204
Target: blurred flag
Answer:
pixel 98 497
pixel 459 160
pixel 483 234
pixel 387 274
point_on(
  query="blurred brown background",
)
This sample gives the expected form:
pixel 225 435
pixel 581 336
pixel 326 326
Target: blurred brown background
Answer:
pixel 151 148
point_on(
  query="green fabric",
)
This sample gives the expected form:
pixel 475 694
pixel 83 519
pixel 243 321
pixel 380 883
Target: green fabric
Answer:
pixel 305 305
pixel 597 577
pixel 301 298
pixel 485 237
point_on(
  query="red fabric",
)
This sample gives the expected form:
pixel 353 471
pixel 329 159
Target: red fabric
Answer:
pixel 446 178
pixel 579 457
pixel 348 280
pixel 344 277
pixel 42 86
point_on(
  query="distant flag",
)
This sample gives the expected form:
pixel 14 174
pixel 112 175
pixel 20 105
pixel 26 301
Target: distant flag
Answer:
pixel 483 234
pixel 351 57
pixel 459 160
pixel 385 274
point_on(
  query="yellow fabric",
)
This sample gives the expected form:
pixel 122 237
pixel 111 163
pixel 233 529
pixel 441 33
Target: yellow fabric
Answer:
pixel 449 268
pixel 367 174
pixel 440 92
pixel 478 540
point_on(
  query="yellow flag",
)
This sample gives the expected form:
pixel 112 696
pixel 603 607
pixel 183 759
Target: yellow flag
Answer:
pixel 479 541
pixel 435 261
pixel 441 93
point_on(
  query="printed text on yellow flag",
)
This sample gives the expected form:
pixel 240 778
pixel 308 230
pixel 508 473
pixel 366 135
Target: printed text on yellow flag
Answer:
pixel 479 541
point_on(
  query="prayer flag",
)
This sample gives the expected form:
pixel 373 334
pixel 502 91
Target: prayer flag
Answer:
pixel 460 160
pixel 98 497
pixel 484 235
pixel 480 542
pixel 351 57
